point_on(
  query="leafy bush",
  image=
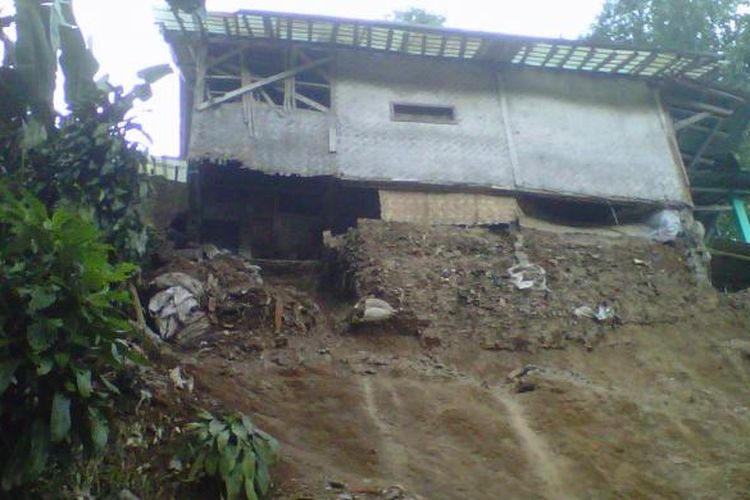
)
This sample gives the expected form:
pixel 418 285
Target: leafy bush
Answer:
pixel 61 333
pixel 233 451
pixel 90 163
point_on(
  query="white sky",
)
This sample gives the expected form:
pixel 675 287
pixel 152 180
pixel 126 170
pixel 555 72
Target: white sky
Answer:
pixel 125 39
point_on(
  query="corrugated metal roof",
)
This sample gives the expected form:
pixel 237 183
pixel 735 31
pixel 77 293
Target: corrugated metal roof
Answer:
pixel 578 55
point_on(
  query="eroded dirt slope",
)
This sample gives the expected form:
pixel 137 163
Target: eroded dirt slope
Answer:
pixel 651 403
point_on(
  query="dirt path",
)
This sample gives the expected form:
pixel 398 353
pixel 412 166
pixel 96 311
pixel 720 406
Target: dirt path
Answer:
pixel 542 461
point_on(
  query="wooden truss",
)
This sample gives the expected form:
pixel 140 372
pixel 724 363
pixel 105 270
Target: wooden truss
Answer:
pixel 229 76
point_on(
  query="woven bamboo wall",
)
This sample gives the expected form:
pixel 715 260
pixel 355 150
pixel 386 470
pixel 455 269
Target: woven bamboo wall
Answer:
pixel 447 208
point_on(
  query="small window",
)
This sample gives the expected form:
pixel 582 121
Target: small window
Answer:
pixel 422 113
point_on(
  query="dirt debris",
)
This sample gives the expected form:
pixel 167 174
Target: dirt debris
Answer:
pixel 483 390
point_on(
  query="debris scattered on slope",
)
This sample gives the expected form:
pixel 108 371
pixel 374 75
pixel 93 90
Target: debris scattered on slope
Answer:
pixel 173 309
pixel 211 290
pixel 528 276
pixel 372 310
pixel 603 313
pixel 665 225
pixel 181 381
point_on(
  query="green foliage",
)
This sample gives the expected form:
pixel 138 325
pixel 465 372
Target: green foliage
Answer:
pixel 695 25
pixel 90 163
pixel 83 158
pixel 414 15
pixel 233 451
pixel 61 334
pixel 45 29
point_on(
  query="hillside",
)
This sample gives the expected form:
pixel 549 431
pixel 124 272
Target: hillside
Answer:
pixel 478 389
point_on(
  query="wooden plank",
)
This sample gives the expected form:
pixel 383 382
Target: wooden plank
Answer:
pixel 674 145
pixel 200 75
pixel 706 144
pixel 314 85
pixel 508 129
pixel 332 137
pixel 247 26
pixel 461 52
pixel 335 33
pixel 247 110
pixel 310 102
pixel 265 81
pixel 691 120
pixel 701 106
pixel 268 26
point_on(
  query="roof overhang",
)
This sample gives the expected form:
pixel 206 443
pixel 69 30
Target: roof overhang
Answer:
pixel 400 38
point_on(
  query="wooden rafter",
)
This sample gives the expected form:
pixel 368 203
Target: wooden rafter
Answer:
pixel 709 139
pixel 692 120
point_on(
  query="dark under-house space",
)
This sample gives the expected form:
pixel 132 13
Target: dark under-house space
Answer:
pixel 274 216
pixel 583 213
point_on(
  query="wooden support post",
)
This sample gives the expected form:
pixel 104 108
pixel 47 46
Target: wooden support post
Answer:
pixel 740 215
pixel 247 98
pixel 201 56
pixel 289 88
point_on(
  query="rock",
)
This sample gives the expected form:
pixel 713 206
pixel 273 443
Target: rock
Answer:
pixel 337 485
pixel 523 386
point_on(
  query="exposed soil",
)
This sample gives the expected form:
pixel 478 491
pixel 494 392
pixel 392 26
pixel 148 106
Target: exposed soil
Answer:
pixel 650 403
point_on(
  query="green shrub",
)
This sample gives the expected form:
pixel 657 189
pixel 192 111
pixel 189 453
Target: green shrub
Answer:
pixel 62 331
pixel 233 451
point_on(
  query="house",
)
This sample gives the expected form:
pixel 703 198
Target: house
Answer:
pixel 295 124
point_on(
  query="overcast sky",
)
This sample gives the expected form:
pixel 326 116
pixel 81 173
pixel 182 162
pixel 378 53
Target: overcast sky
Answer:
pixel 125 39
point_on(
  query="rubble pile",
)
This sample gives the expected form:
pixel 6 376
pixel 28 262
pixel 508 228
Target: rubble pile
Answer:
pixel 206 290
pixel 510 292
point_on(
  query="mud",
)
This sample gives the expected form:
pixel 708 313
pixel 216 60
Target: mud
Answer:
pixel 652 404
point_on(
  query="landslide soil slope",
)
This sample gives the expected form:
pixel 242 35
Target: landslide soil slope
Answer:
pixel 654 404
